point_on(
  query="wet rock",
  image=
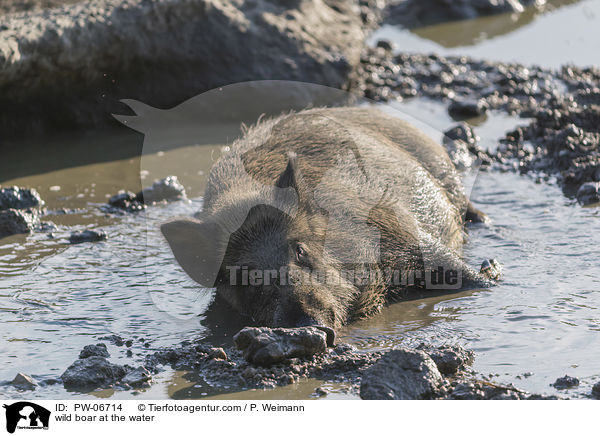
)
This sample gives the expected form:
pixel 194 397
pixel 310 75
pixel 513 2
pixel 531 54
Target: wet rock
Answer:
pixel 24 381
pixel 320 392
pixel 13 221
pixel 466 108
pixel 596 390
pixel 461 132
pixel 19 198
pixel 385 44
pixel 417 13
pixel 87 236
pixel 589 193
pixel 94 350
pixel 480 390
pixel 139 377
pixel 19 210
pixel 217 353
pixel 449 359
pixel 266 346
pixel 114 339
pixel 92 372
pixel 565 382
pixel 46 226
pixel 401 374
pixel 492 269
pixel 127 201
pixel 459 154
pixel 167 189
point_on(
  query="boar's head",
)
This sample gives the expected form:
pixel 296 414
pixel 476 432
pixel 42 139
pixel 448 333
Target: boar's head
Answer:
pixel 273 267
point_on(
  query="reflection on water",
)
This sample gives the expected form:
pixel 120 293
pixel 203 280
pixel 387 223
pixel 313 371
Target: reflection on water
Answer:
pixel 566 33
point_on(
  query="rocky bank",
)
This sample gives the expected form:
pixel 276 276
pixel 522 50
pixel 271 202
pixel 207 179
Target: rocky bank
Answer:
pixel 289 355
pixel 560 135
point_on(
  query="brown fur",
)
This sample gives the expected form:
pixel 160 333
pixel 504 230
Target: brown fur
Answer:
pixel 325 180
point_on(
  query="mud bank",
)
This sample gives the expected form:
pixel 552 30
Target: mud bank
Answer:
pixel 424 372
pixel 560 136
pixel 69 66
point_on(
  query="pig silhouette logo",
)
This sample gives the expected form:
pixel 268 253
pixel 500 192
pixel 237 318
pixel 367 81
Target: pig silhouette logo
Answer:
pixel 26 415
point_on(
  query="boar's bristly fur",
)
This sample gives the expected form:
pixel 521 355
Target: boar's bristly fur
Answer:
pixel 315 195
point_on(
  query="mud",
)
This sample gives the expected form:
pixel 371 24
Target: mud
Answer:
pixel 561 139
pixel 424 372
pixel 265 346
pixel 114 48
pixel 164 190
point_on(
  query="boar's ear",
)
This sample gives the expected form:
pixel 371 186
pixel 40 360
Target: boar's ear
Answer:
pixel 292 178
pixel 197 247
pixel 289 177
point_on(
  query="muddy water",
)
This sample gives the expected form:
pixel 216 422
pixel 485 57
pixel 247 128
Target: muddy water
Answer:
pixel 541 322
pixel 565 31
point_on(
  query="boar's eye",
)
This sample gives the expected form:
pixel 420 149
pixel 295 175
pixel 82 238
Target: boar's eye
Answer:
pixel 301 254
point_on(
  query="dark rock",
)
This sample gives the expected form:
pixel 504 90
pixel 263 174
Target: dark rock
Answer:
pixel 596 390
pixel 13 221
pixel 24 381
pixel 266 346
pixel 19 198
pixel 168 189
pixel 565 382
pixel 87 236
pixel 459 154
pixel 92 372
pixel 480 390
pixel 94 350
pixel 401 374
pixel 385 44
pixel 138 377
pixel 114 339
pixel 589 193
pixel 463 109
pixel 449 359
pixel 492 269
pixel 19 210
pixel 461 132
pixel 320 392
pixel 46 226
pixel 127 201
pixel 217 353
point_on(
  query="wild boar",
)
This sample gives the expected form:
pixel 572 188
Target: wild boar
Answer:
pixel 323 216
